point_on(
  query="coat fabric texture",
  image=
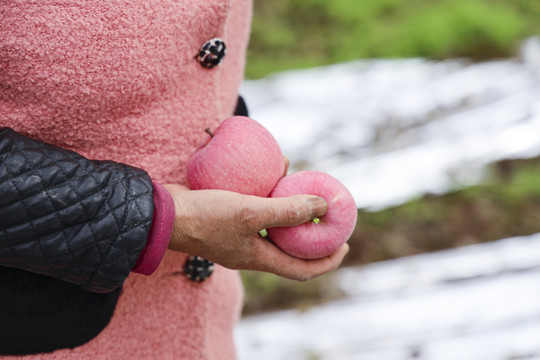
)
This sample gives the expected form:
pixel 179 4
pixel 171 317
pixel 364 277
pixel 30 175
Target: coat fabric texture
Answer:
pixel 120 80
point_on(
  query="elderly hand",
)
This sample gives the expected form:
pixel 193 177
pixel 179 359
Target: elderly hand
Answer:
pixel 223 227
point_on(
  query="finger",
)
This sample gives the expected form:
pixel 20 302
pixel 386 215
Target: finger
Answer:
pixel 288 211
pixel 287 162
pixel 272 259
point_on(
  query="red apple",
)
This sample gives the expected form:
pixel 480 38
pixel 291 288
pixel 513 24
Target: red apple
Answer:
pixel 240 156
pixel 323 236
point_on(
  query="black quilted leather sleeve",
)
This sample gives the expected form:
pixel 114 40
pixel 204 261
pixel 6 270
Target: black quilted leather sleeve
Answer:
pixel 62 215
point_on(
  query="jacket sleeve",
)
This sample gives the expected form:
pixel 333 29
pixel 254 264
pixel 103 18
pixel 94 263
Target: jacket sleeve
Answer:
pixel 62 215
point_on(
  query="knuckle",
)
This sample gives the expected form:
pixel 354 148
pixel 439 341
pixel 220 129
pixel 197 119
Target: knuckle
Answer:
pixel 305 277
pixel 291 214
pixel 294 214
pixel 301 275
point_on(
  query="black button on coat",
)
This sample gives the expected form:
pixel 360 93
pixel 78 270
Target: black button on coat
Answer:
pixel 212 53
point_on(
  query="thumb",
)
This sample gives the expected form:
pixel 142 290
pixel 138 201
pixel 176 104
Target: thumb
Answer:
pixel 292 210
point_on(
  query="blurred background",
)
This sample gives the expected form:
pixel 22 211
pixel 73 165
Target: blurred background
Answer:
pixel 429 112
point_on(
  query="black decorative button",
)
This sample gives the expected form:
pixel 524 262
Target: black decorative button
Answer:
pixel 198 269
pixel 212 52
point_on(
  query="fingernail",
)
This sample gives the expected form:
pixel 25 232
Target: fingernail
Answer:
pixel 318 206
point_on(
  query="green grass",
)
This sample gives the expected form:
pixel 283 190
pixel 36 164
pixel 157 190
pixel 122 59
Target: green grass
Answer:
pixel 506 204
pixel 265 291
pixel 304 33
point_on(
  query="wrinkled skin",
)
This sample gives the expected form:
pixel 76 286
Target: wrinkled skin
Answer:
pixel 223 226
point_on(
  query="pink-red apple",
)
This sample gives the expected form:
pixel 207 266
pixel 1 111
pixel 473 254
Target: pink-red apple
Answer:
pixel 241 156
pixel 325 235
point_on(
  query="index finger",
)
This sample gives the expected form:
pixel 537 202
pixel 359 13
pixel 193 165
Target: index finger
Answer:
pixel 270 258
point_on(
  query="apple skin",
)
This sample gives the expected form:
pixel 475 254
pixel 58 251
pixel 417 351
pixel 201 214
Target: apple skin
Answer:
pixel 316 240
pixel 241 156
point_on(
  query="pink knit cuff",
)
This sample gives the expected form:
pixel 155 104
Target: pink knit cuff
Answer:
pixel 160 232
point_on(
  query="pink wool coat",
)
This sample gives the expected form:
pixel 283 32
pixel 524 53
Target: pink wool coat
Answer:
pixel 119 80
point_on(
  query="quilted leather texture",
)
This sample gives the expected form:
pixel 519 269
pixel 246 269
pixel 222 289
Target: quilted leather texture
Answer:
pixel 62 215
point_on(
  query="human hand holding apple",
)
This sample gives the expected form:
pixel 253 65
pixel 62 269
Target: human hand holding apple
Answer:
pixel 242 156
pixel 222 226
pixel 325 234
